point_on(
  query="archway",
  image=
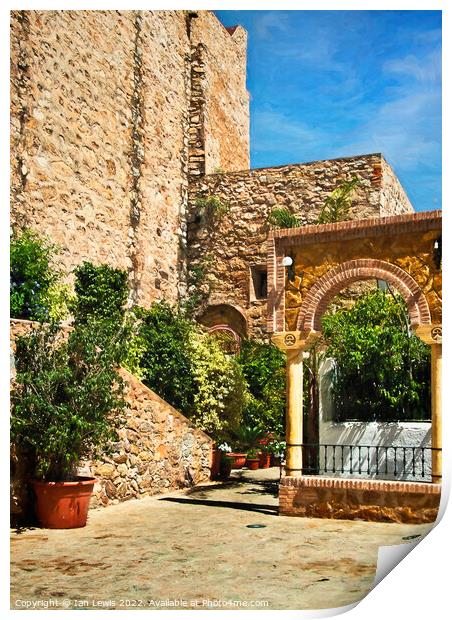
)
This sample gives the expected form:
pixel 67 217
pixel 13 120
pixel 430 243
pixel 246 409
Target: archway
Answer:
pixel 335 280
pixel 227 319
pixel 402 250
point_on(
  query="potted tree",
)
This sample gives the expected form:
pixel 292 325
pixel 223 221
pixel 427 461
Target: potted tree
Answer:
pixel 67 403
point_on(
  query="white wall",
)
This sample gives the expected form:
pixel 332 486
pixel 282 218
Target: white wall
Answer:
pixel 398 434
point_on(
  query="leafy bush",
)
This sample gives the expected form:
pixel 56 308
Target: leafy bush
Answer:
pixel 382 370
pixel 281 217
pixel 68 399
pixel 212 207
pixel 264 368
pixel 35 291
pixel 337 206
pixel 220 389
pixel 101 293
pixel 189 369
pixel 163 336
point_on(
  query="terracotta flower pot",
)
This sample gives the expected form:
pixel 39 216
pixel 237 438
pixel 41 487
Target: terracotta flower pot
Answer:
pixel 239 459
pixel 275 461
pixel 63 505
pixel 264 460
pixel 215 465
pixel 252 463
pixel 225 469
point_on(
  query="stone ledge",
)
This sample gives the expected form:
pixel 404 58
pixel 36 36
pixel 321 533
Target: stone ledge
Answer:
pixel 361 485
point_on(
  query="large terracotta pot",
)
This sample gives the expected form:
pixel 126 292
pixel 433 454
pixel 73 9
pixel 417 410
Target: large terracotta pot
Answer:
pixel 239 459
pixel 252 463
pixel 63 505
pixel 215 465
pixel 264 460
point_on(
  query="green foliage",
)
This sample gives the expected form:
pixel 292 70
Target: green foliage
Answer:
pixel 101 293
pixel 220 392
pixel 253 453
pixel 382 370
pixel 281 217
pixel 163 336
pixel 246 437
pixel 68 399
pixel 212 207
pixel 337 206
pixel 189 369
pixel 35 291
pixel 263 366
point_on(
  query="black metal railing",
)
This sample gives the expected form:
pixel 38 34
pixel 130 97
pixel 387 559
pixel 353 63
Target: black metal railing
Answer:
pixel 412 463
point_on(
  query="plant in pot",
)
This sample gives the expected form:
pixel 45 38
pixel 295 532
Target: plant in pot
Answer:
pixel 253 458
pixel 246 438
pixel 225 466
pixel 67 403
pixel 277 448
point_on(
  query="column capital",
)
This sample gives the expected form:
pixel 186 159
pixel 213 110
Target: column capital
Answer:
pixel 432 333
pixel 295 341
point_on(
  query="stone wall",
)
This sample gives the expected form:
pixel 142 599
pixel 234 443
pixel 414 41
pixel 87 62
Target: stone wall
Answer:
pixel 221 74
pixel 100 117
pixel 369 500
pixel 237 242
pixel 158 450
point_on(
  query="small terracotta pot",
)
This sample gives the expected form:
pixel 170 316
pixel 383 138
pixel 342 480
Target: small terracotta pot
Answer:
pixel 63 505
pixel 252 463
pixel 239 459
pixel 264 460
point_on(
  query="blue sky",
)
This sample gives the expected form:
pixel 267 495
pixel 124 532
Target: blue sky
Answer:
pixel 326 84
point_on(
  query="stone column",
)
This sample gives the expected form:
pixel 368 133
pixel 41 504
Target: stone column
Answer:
pixel 432 334
pixel 436 368
pixel 294 412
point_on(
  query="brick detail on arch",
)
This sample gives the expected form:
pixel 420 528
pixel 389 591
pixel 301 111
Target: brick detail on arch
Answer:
pixel 330 284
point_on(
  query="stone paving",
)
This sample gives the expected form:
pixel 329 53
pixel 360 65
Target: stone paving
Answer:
pixel 194 549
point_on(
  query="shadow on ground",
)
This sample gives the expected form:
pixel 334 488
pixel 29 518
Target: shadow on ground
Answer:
pixel 217 503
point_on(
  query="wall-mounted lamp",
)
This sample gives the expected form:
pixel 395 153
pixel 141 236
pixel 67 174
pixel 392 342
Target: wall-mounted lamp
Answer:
pixel 437 252
pixel 288 262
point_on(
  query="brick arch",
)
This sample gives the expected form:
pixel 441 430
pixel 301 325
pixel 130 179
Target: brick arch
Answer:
pixel 225 315
pixel 331 283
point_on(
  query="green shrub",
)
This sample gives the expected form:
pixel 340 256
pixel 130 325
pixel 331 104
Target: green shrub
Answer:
pixel 281 217
pixel 337 206
pixel 188 368
pixel 212 207
pixel 264 368
pixel 162 337
pixel 68 399
pixel 382 370
pixel 101 293
pixel 220 389
pixel 35 291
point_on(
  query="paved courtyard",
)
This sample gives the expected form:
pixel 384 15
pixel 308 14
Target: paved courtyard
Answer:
pixel 194 549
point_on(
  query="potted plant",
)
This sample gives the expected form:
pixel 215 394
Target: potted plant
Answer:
pixel 67 403
pixel 215 463
pixel 218 458
pixel 246 438
pixel 277 450
pixel 225 466
pixel 264 457
pixel 252 458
